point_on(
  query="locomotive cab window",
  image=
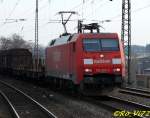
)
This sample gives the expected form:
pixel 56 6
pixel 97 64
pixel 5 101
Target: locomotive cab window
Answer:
pixel 109 45
pixel 91 45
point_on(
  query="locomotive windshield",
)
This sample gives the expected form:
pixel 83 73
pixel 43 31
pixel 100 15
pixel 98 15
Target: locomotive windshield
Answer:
pixel 92 45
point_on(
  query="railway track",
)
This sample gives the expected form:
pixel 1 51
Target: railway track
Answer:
pixel 22 105
pixel 136 92
pixel 125 107
pixel 129 106
pixel 6 108
pixel 130 103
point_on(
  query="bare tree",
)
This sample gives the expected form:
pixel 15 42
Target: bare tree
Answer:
pixel 15 41
pixel 18 42
pixel 4 43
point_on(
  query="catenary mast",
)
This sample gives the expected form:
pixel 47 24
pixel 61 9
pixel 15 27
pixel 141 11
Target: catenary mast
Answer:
pixel 36 46
pixel 126 34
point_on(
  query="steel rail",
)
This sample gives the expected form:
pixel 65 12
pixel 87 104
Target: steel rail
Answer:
pixel 130 92
pixel 13 111
pixel 107 106
pixel 137 90
pixel 50 114
pixel 137 105
pixel 97 102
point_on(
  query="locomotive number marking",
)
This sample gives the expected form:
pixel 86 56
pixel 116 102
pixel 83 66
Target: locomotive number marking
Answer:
pixel 101 61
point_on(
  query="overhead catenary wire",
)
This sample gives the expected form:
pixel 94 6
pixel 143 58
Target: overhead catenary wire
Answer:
pixel 17 3
pixel 117 16
pixel 7 20
pixel 32 12
pixel 79 5
pixel 134 11
pixel 102 3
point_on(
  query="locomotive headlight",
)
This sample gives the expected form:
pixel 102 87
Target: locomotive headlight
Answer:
pixel 101 55
pixel 117 70
pixel 88 70
pixel 116 61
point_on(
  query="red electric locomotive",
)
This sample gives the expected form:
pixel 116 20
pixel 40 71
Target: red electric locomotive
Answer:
pixel 91 61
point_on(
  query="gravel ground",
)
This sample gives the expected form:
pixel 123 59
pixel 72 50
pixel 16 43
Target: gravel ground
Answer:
pixel 63 106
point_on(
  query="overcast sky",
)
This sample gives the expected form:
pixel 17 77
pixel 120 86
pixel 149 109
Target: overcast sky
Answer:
pixel 87 9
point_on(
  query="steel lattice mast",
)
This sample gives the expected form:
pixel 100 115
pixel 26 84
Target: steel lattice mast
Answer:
pixel 126 33
pixel 36 46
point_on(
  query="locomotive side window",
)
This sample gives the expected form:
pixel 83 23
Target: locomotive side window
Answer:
pixel 109 45
pixel 92 45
